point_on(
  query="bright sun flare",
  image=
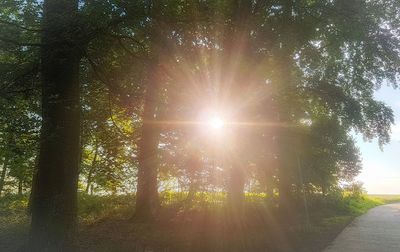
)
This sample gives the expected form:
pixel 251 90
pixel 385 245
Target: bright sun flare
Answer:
pixel 216 123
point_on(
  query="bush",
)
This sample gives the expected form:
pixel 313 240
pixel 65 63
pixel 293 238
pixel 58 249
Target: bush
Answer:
pixel 356 189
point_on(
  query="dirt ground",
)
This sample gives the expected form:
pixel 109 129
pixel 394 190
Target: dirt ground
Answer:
pixel 197 234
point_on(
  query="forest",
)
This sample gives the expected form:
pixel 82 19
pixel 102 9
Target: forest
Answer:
pixel 189 125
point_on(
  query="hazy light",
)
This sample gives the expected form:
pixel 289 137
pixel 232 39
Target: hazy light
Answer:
pixel 216 123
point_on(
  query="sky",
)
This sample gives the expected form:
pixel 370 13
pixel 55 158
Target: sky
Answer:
pixel 381 169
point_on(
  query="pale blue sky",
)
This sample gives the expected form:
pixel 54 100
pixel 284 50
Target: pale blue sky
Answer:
pixel 381 169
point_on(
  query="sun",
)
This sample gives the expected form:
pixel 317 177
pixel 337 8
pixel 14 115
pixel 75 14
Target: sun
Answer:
pixel 216 123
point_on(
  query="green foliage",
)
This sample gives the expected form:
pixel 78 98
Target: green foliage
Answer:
pixel 357 205
pixel 293 78
pixel 13 204
pixel 19 134
pixel 349 203
pixel 93 208
pixel 13 213
pixel 312 65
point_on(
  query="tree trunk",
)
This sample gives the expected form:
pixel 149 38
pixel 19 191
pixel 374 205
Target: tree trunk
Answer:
pixel 147 201
pixel 270 183
pixel 236 189
pixel 3 175
pixel 33 185
pixel 91 189
pixel 54 199
pixel 20 187
pixel 284 183
pixel 285 167
pixel 237 44
pixel 192 192
pixel 287 91
pixel 92 167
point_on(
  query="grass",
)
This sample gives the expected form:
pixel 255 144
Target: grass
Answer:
pixel 359 205
pixel 13 222
pixel 203 225
pixel 386 198
pixel 93 208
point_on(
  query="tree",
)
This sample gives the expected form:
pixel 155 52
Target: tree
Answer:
pixel 19 119
pixel 55 186
pixel 147 187
pixel 147 202
pixel 293 78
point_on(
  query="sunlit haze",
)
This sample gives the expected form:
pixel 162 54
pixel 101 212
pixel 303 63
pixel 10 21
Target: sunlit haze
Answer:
pixel 216 123
pixel 170 125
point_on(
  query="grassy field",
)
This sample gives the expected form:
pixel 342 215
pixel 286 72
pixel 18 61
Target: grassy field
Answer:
pixel 106 223
pixel 386 198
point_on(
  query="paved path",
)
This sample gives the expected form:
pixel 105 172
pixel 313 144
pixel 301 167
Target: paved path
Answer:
pixel 376 231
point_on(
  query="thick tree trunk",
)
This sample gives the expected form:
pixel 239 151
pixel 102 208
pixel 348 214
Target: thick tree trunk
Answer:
pixel 147 201
pixel 286 161
pixel 237 44
pixel 54 199
pixel 287 91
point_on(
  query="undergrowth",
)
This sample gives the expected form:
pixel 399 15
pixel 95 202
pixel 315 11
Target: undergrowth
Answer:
pixel 205 219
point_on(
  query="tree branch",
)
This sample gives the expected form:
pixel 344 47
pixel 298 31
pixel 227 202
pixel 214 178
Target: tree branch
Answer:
pixel 120 36
pixel 19 26
pixel 14 42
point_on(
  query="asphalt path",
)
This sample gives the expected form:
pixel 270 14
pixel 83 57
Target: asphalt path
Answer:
pixel 376 231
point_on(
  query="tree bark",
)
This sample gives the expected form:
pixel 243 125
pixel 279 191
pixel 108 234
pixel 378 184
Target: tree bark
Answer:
pixel 237 44
pixel 287 92
pixel 54 199
pixel 147 201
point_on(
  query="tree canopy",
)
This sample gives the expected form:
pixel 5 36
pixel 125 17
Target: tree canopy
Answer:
pixel 227 96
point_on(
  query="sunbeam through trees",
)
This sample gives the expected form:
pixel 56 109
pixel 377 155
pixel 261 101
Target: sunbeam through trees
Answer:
pixel 189 125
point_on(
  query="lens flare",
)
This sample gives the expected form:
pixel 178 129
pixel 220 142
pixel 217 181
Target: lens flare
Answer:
pixel 216 123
